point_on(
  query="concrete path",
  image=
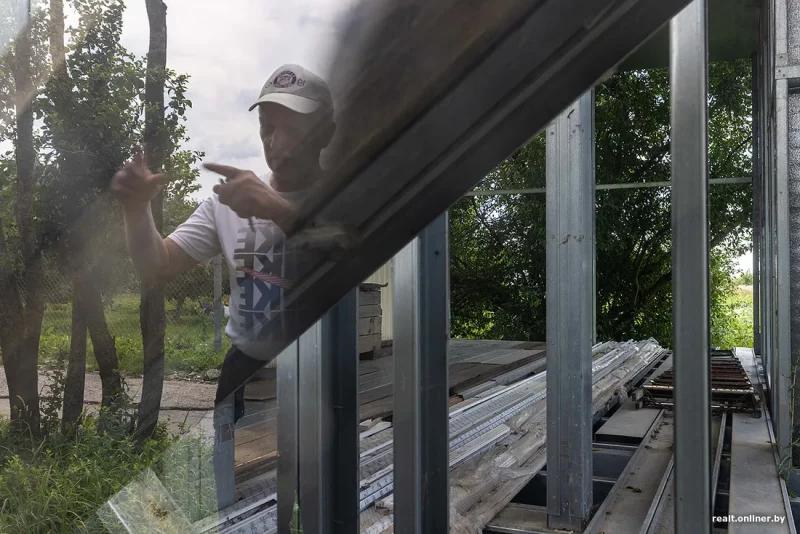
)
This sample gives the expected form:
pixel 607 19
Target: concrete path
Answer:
pixel 182 400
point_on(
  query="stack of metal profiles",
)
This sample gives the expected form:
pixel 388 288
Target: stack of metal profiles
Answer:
pixel 731 389
pixel 476 426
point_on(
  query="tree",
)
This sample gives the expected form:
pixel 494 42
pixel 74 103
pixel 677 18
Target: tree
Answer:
pixel 498 243
pixel 20 252
pixel 91 111
pixel 153 320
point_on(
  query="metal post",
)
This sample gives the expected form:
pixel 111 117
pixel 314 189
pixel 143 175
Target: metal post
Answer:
pixel 782 384
pixel 783 353
pixel 570 245
pixel 328 421
pixel 690 264
pixel 420 295
pixel 218 303
pixel 757 180
pixel 288 434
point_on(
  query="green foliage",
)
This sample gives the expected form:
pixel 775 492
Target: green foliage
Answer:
pixel 745 279
pixel 188 344
pixel 57 483
pixel 498 243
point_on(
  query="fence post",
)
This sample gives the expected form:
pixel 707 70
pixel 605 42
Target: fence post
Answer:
pixel 218 303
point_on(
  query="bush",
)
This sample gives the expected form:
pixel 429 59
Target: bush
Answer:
pixel 57 483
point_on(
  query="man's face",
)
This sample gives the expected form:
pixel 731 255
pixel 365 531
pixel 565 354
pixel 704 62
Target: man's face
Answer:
pixel 287 137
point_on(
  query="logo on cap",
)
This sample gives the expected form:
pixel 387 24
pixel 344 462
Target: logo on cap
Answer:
pixel 285 79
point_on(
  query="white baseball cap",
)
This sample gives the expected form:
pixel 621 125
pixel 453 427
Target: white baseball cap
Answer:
pixel 296 88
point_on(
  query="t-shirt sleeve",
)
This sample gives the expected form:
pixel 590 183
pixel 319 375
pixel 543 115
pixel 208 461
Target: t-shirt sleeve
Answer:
pixel 197 236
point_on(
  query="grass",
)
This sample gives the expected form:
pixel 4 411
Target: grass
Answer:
pixel 56 484
pixel 189 342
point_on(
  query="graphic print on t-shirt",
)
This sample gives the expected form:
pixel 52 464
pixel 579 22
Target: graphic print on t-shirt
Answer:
pixel 259 301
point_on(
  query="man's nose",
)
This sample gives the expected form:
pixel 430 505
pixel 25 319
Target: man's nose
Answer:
pixel 279 141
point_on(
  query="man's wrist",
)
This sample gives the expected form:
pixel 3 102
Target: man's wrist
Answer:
pixel 285 216
pixel 136 209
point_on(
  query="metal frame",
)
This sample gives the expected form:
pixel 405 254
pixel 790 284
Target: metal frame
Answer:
pixel 465 131
pixel 421 441
pixel 758 179
pixel 602 187
pixel 570 323
pixel 782 366
pixel 690 267
pixel 318 437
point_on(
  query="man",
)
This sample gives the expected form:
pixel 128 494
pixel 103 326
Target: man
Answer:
pixel 243 221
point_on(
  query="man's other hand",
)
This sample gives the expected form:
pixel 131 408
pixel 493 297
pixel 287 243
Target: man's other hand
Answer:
pixel 248 196
pixel 135 186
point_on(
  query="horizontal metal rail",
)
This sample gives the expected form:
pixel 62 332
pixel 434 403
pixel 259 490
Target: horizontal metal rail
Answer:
pixel 602 187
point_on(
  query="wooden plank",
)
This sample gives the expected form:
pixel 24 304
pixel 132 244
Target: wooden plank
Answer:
pixel 369 325
pixel 371 287
pixel 365 397
pixel 252 450
pixel 369 311
pixel 471 377
pixel 261 390
pixel 366 298
pixel 369 342
pixel 257 432
pixel 379 408
pixel 512 357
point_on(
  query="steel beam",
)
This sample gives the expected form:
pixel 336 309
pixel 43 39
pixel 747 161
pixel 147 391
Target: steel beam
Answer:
pixel 783 350
pixel 570 248
pixel 690 264
pixel 421 292
pixel 288 435
pixel 756 218
pixel 340 338
pixel 328 421
pixel 601 187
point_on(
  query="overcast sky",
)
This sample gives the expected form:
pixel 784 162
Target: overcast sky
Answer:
pixel 229 52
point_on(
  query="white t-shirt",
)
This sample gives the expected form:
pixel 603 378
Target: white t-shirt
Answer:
pixel 215 229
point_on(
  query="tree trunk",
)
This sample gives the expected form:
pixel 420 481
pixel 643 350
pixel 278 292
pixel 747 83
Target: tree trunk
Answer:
pixel 21 356
pixel 57 54
pixel 75 380
pixel 105 349
pixel 152 316
pixel 11 324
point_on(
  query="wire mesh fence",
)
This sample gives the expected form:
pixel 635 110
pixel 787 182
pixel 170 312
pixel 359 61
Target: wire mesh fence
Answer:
pixel 196 316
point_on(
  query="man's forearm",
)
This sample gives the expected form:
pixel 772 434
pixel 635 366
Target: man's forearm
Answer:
pixel 145 245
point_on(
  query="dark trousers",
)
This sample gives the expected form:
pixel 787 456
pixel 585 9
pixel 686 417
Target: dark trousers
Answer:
pixel 237 369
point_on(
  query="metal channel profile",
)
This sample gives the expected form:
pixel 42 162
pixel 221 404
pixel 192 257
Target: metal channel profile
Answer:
pixel 421 448
pixel 328 421
pixel 288 432
pixel 550 56
pixel 570 207
pixel 783 350
pixel 340 337
pixel 690 263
